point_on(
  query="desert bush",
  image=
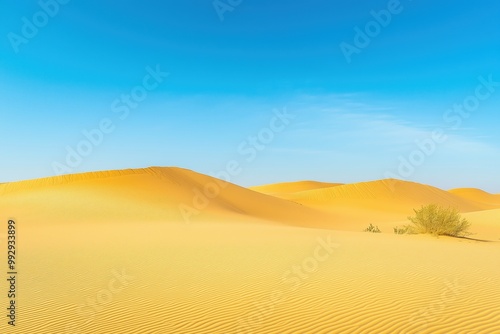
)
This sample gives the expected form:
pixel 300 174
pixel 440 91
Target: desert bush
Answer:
pixel 437 220
pixel 372 229
pixel 402 230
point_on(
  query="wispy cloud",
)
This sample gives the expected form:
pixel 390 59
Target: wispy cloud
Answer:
pixel 350 120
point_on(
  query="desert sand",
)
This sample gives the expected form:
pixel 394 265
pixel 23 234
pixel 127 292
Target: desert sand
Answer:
pixel 168 250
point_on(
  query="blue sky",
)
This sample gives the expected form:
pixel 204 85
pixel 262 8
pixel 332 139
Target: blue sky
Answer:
pixel 354 120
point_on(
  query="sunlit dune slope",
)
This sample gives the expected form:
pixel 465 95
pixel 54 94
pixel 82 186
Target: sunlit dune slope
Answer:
pixel 485 224
pixel 180 195
pixel 279 189
pixel 151 194
pixel 384 201
pixel 389 194
pixel 478 195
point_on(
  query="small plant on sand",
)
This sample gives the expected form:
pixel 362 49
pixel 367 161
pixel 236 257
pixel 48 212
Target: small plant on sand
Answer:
pixel 402 230
pixel 437 220
pixel 372 229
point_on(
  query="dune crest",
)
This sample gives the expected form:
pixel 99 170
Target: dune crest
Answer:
pixel 385 202
pixel 478 195
pixel 171 194
pixel 278 189
pixel 162 194
pixel 389 195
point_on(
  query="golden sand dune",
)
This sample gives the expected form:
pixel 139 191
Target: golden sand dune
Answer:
pixel 278 189
pixel 161 194
pixel 110 252
pixel 485 224
pixel 389 192
pixel 383 202
pixel 478 195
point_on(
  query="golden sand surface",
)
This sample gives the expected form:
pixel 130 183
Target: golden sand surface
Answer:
pixel 168 250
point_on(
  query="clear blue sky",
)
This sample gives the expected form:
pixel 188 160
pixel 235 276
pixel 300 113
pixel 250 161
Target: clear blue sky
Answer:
pixel 355 117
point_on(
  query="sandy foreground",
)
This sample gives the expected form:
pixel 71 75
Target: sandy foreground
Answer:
pixel 167 250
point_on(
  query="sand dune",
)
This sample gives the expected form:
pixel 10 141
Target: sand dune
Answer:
pixel 176 195
pixel 180 195
pixel 278 189
pixel 110 252
pixel 160 194
pixel 478 196
pixel 390 193
pixel 485 224
pixel 384 202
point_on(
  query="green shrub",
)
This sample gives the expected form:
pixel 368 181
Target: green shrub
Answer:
pixel 437 220
pixel 402 230
pixel 372 229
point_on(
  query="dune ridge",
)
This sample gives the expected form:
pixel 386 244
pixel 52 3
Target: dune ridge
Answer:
pixel 386 203
pixel 477 195
pixel 172 194
pixel 383 190
pixel 292 187
pixel 164 194
pixel 9 187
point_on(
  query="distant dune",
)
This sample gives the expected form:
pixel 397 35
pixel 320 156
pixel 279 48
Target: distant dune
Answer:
pixel 279 189
pixel 388 193
pixel 479 196
pixel 384 202
pixel 173 194
pixel 112 252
